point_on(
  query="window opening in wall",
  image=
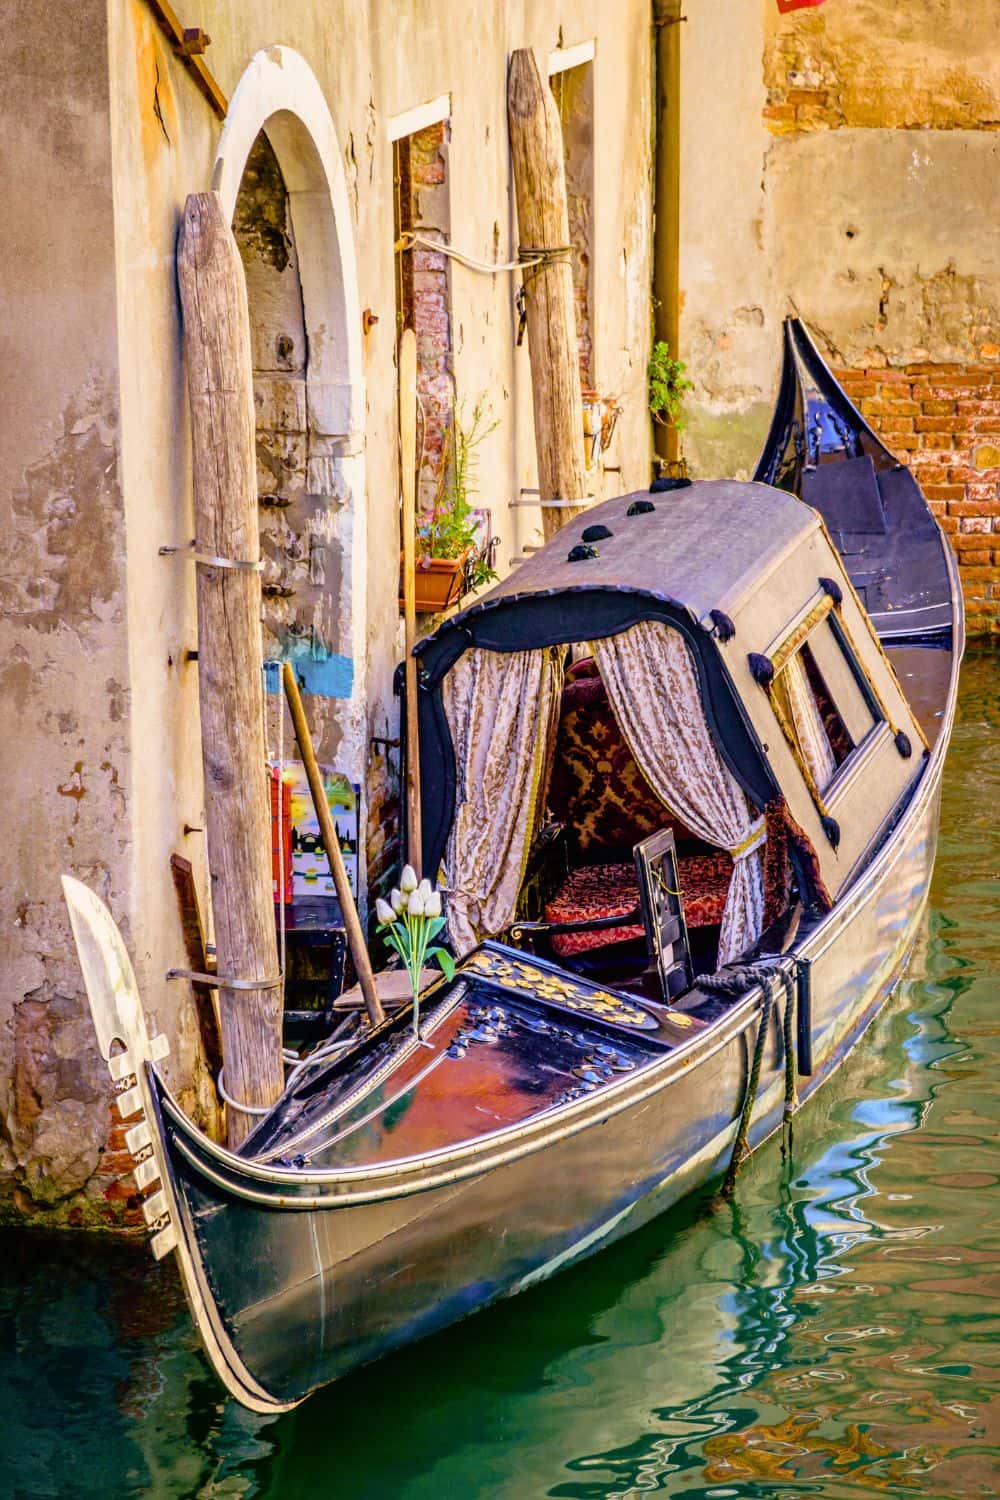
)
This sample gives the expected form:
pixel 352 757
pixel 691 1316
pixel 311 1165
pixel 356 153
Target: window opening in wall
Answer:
pixel 423 293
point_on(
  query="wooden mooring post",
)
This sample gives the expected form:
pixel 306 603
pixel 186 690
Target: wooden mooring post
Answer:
pixel 227 553
pixel 408 481
pixel 536 143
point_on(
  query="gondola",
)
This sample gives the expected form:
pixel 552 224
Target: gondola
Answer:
pixel 682 790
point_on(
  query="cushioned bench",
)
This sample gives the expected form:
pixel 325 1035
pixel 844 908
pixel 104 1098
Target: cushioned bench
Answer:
pixel 598 792
pixel 595 891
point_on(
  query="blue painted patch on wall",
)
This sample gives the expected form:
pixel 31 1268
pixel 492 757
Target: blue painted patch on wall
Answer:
pixel 328 676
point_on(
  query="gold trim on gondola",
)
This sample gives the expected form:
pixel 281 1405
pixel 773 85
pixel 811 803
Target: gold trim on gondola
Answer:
pixel 524 978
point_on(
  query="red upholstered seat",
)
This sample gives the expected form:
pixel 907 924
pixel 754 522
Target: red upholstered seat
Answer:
pixel 596 891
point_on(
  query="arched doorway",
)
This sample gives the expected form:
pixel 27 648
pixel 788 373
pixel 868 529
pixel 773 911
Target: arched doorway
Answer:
pixel 280 176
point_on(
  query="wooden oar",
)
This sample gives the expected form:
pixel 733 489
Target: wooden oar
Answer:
pixel 355 936
pixel 408 466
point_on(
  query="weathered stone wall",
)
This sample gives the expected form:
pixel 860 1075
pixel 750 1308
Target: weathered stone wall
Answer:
pixel 70 793
pixel 104 771
pixel 853 182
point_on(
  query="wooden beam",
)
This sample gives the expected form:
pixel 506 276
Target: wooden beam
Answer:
pixel 667 21
pixel 408 472
pixel 237 808
pixel 188 43
pixel 196 953
pixel 543 224
pixel 331 843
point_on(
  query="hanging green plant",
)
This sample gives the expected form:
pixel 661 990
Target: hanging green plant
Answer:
pixel 667 385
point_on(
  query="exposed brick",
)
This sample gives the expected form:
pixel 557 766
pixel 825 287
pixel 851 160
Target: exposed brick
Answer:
pixel 949 524
pixel 976 507
pixel 985 406
pixel 858 388
pixel 896 424
pixel 966 381
pixel 935 424
pixel 982 574
pixel 807 96
pixel 944 491
pixel 940 440
pixel 882 408
pixel 938 408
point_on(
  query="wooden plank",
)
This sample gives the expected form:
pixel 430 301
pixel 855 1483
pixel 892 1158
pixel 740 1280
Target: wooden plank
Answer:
pixel 543 223
pixel 193 929
pixel 188 43
pixel 419 117
pixel 393 989
pixel 408 466
pixel 667 21
pixel 331 843
pixel 237 810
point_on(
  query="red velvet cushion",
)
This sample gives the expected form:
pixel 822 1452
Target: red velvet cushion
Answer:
pixel 595 891
pixel 596 787
pixel 591 892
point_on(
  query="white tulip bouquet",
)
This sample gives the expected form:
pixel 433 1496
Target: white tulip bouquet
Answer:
pixel 410 921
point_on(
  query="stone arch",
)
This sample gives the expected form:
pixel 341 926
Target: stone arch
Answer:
pixel 279 94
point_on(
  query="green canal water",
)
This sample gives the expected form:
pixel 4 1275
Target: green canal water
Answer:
pixel 832 1333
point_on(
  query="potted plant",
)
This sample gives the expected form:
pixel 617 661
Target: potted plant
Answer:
pixel 667 385
pixel 454 549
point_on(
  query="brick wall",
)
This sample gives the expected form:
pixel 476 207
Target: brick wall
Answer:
pixel 943 421
pixel 423 206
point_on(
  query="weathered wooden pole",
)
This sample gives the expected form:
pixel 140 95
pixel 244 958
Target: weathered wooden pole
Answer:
pixel 237 812
pixel 666 231
pixel 331 843
pixel 408 467
pixel 543 225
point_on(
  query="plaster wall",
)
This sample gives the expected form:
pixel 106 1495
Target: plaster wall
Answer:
pixel 850 178
pixel 730 307
pixel 98 626
pixel 66 678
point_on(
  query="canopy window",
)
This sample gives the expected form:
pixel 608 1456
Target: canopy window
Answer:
pixel 823 701
pixel 502 710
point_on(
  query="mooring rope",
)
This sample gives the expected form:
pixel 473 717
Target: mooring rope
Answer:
pixel 529 257
pixel 753 1079
pixel 791 1096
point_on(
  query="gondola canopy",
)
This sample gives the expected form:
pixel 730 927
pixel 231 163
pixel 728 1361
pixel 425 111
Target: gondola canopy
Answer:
pixel 745 573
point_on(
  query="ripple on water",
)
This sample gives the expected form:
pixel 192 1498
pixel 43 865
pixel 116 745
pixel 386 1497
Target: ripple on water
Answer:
pixel 832 1332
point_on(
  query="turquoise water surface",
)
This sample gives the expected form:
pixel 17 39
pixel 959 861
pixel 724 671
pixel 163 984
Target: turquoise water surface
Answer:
pixel 833 1332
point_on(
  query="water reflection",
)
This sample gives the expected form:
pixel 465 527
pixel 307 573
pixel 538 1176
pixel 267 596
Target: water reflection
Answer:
pixel 832 1332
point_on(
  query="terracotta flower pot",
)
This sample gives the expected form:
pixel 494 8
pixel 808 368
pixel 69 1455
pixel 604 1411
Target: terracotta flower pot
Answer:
pixel 439 583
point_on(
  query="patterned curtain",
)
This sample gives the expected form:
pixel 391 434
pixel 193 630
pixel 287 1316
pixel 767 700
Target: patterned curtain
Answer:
pixel 653 686
pixel 502 708
pixel 793 691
